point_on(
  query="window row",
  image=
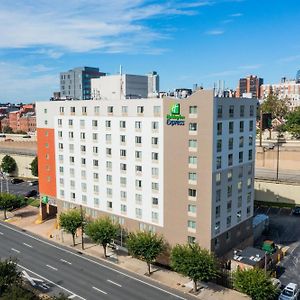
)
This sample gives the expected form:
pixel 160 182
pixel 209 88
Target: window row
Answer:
pixel 231 127
pixel 233 110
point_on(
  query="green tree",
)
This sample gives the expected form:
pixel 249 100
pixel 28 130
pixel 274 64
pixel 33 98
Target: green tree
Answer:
pixel 277 107
pixel 70 221
pixel 34 167
pixel 8 165
pixel 9 275
pixel 293 123
pixel 255 283
pixel 102 232
pixel 7 129
pixel 7 201
pixel 145 245
pixel 193 261
pixel 17 292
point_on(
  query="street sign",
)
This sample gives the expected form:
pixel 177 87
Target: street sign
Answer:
pixel 45 199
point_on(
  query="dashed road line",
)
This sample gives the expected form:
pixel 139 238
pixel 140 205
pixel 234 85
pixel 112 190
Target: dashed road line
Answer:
pixel 15 250
pixel 99 290
pixel 65 261
pixel 117 284
pixel 27 245
pixel 55 269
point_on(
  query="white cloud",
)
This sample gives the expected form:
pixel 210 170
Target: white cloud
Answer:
pixel 215 32
pixel 236 15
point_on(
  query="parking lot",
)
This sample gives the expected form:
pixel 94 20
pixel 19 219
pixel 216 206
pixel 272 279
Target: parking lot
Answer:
pixel 284 229
pixel 18 188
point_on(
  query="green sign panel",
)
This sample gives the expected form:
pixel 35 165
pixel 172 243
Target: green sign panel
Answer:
pixel 45 199
pixel 175 118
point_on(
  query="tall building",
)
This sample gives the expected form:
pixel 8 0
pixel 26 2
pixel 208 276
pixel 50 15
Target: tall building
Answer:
pixel 76 83
pixel 153 84
pixel 298 77
pixel 179 167
pixel 120 86
pixel 286 89
pixel 250 84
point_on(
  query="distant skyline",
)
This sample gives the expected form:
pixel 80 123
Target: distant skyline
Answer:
pixel 186 42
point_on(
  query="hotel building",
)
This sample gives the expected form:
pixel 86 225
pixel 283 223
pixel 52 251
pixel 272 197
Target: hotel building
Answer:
pixel 180 167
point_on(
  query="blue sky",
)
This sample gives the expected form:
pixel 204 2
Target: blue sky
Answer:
pixel 187 42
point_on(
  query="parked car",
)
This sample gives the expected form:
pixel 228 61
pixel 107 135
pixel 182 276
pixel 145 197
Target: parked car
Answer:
pixel 290 292
pixel 270 146
pixel 16 180
pixel 8 140
pixel 276 282
pixel 33 182
pixel 2 136
pixel 31 193
pixel 296 210
pixel 26 137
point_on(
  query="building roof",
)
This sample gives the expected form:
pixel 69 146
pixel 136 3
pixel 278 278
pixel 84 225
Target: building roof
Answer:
pixel 249 256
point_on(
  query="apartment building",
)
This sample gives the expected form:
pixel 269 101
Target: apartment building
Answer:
pixel 250 85
pixel 180 167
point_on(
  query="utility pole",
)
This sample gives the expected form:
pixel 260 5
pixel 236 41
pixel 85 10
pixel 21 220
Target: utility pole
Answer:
pixel 82 226
pixel 277 167
pixel 260 127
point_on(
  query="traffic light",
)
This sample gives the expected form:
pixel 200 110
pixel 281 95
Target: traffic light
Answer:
pixel 266 121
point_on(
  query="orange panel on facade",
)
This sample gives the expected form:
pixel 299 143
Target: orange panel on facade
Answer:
pixel 46 161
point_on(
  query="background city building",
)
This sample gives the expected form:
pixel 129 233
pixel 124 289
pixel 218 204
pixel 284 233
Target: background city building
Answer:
pixel 250 84
pixel 76 83
pixel 180 167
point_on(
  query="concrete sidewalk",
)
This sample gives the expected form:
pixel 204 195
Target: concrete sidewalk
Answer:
pixel 26 217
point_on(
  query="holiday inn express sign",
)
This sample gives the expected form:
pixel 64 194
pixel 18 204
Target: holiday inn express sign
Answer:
pixel 175 118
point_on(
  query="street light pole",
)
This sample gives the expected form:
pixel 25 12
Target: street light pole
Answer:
pixel 277 167
pixel 82 241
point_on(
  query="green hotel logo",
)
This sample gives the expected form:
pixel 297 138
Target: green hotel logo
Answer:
pixel 175 118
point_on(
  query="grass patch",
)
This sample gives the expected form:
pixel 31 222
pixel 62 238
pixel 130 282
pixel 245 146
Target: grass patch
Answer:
pixel 274 204
pixel 33 202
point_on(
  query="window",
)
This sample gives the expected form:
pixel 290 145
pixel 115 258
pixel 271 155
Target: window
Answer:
pixel 231 111
pixel 219 145
pixel 138 213
pixel 239 216
pixel 123 195
pixel 192 176
pixel 108 137
pixel 83 161
pixel 249 182
pixel 230 143
pixel 94 123
pixel 109 204
pixel 192 143
pixel 122 124
pixel 229 175
pixel 83 174
pixel 138 168
pixel 218 211
pixel 95 136
pixel 193 127
pixel 95 162
pixel 138 154
pixel 219 128
pixel 138 199
pixel 140 109
pixel 192 192
pixel 70 122
pixel 156 110
pixel 84 110
pixel 250 140
pixel 192 160
pixel 61 110
pixel 154 171
pixel 154 125
pixel 154 140
pixel 123 167
pixel 154 216
pixel 154 156
pixel 218 178
pixel 240 172
pixel 95 150
pixel 251 125
pixel 229 206
pixel 250 155
pixel 241 157
pixel 108 165
pixel 110 109
pixel 220 111
pixel 228 221
pixel 72 159
pixel 191 224
pixel 61 170
pixel 248 211
pixel 123 208
pixel 96 202
pixel 154 201
pixel 138 183
pixel 61 158
pixel 108 178
pixel 251 110
pixel 123 181
pixel 217 227
pixel 59 122
pixel 219 162
pixel 97 110
pixel 72 172
pixel 123 153
pixel 124 109
pixel 249 197
pixel 229 190
pixel 154 186
pixel 192 208
pixel 82 123
pixel 108 192
pixel 108 151
pixel 72 110
pixel 60 146
pixel 242 111
pixel 249 169
pixel 191 240
pixel 83 187
pixel 239 202
pixel 241 126
pixel 138 139
pixel 193 110
pixel 231 127
pixel 82 135
pixel 218 195
pixel 122 138
pixel 71 147
pixel 240 186
pixel 138 125
pixel 108 124
pixel 241 141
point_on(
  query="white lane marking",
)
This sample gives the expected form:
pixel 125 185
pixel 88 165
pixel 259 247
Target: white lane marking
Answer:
pixel 99 290
pixel 95 262
pixel 51 267
pixel 27 245
pixel 65 261
pixel 13 249
pixel 72 296
pixel 114 283
pixel 1 233
pixel 59 286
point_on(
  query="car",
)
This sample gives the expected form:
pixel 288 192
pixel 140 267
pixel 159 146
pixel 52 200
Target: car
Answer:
pixel 270 146
pixel 2 136
pixel 33 182
pixel 296 210
pixel 8 140
pixel 31 193
pixel 16 180
pixel 276 283
pixel 26 137
pixel 290 292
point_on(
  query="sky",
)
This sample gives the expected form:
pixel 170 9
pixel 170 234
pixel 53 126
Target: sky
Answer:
pixel 186 42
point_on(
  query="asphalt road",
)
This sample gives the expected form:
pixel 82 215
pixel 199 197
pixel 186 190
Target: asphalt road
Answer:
pixel 18 188
pixel 283 175
pixel 78 275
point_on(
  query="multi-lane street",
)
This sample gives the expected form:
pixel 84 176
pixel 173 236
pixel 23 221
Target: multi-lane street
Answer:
pixel 78 276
